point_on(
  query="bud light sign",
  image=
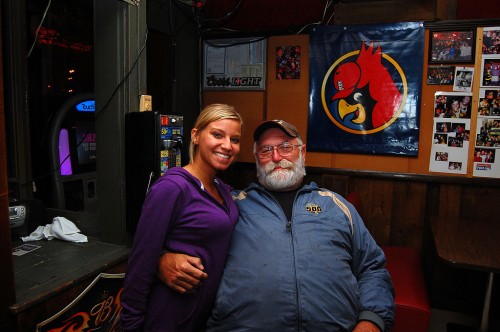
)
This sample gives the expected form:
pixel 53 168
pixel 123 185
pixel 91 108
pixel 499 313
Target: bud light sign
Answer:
pixel 86 106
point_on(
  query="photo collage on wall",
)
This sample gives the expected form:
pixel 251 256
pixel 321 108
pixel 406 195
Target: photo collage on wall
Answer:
pixel 452 63
pixel 487 143
pixel 450 142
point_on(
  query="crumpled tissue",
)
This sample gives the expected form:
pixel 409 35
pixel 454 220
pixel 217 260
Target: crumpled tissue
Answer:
pixel 61 228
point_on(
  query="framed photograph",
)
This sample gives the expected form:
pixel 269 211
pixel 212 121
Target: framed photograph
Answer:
pixel 440 75
pixel 455 46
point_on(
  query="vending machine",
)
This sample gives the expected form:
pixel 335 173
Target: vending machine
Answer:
pixel 153 144
pixel 73 155
pixel 171 142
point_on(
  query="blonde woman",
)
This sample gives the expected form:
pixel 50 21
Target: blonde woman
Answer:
pixel 188 211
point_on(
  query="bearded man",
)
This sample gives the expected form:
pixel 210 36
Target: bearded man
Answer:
pixel 301 258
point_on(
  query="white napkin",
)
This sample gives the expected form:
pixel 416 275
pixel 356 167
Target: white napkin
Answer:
pixel 64 229
pixel 61 228
pixel 36 235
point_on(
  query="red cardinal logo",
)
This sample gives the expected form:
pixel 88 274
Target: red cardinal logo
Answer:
pixel 366 93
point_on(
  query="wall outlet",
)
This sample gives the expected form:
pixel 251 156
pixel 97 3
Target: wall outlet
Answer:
pixel 146 103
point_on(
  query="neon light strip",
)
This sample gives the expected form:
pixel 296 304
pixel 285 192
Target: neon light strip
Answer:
pixel 64 157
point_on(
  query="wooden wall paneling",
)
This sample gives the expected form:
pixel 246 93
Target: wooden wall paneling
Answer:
pixel 477 9
pixel 449 202
pixel 420 165
pixel 408 214
pixel 250 105
pixel 356 12
pixel 479 203
pixel 476 83
pixel 288 99
pixel 8 295
pixel 239 176
pixel 446 9
pixel 377 199
pixel 336 183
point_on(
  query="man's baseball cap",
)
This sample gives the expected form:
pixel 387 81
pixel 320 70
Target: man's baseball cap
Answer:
pixel 286 127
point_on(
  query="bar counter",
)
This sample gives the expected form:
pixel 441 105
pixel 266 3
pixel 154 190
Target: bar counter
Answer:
pixel 49 277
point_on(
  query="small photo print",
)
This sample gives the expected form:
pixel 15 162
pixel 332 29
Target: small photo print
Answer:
pixel 440 139
pixel 455 142
pixel 489 133
pixel 489 102
pixel 490 71
pixel 460 131
pixel 455 166
pixel 482 155
pixel 443 127
pixel 288 62
pixel 491 40
pixel 24 249
pixel 463 79
pixel 452 105
pixel 440 75
pixel 441 156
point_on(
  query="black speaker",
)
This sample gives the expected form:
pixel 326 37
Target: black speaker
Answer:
pixel 25 217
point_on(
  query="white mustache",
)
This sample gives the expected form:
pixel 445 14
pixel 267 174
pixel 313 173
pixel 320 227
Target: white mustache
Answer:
pixel 283 163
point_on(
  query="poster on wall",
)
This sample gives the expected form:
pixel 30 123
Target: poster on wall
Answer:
pixel 451 132
pixel 487 147
pixel 234 64
pixel 365 83
pixel 288 63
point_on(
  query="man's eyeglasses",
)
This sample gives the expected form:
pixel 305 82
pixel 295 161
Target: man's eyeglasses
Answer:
pixel 284 149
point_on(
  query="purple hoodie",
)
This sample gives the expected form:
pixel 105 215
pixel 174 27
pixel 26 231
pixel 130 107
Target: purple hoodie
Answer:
pixel 178 215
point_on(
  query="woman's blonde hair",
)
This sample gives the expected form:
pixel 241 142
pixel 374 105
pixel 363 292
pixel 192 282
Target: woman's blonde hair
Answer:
pixel 209 114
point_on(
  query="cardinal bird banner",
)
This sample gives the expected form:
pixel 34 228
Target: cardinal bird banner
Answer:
pixel 365 83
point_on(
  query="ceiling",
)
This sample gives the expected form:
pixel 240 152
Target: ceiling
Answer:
pixel 295 16
pixel 266 15
pixel 280 17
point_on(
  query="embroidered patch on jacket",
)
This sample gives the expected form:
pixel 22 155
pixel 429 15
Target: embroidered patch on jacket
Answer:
pixel 313 208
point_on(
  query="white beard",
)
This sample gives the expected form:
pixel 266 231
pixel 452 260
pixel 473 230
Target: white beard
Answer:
pixel 289 177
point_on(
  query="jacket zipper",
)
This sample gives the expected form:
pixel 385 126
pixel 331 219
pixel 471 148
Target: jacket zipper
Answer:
pixel 290 230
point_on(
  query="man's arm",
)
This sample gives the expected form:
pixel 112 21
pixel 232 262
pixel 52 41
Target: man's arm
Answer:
pixel 181 272
pixel 376 290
